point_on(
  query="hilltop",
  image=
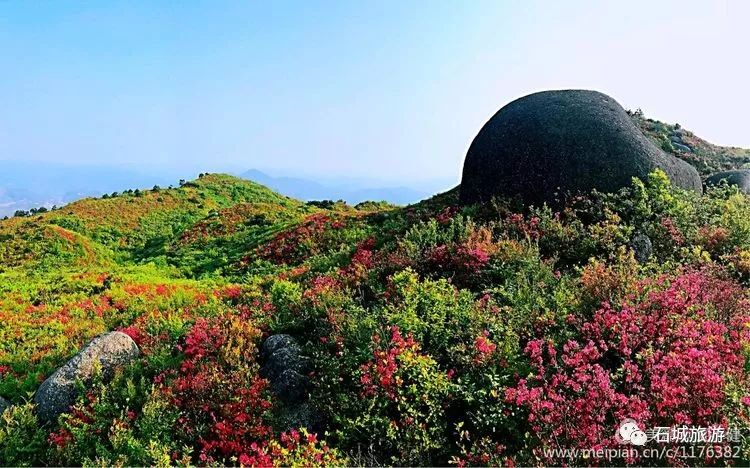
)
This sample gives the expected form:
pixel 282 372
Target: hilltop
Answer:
pixel 272 331
pixel 684 144
pixel 133 226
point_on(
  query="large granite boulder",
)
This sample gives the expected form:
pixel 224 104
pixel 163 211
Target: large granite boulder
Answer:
pixel 740 178
pixel 105 353
pixel 549 144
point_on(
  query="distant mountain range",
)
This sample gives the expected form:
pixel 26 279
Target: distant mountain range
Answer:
pixel 350 190
pixel 26 185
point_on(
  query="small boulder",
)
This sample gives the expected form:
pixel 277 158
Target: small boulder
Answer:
pixel 105 352
pixel 4 404
pixel 740 178
pixel 276 342
pixel 285 368
pixel 683 148
pixel 642 247
pixel 290 386
pixel 282 360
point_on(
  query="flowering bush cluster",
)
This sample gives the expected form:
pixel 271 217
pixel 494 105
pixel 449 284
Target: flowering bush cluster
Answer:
pixel 402 391
pixel 223 402
pixel 663 358
pixel 308 238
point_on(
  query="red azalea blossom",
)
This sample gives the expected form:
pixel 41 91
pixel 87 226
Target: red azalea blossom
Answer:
pixel 483 347
pixel 661 361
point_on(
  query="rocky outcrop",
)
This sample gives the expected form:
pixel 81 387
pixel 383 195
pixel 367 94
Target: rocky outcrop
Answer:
pixel 553 143
pixel 104 353
pixel 276 342
pixel 740 178
pixel 683 148
pixel 286 368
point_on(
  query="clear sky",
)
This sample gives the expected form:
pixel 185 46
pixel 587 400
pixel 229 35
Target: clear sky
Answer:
pixel 387 89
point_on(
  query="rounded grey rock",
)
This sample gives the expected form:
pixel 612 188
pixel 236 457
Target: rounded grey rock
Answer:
pixel 105 353
pixel 276 342
pixel 683 148
pixel 283 359
pixel 554 143
pixel 740 178
pixel 286 368
pixel 642 247
pixel 290 386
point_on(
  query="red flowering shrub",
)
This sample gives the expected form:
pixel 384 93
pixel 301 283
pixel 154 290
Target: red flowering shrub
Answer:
pixel 484 347
pixel 362 262
pixel 445 216
pixel 714 239
pixel 139 336
pixel 608 281
pixel 305 239
pixel 673 232
pixel 662 359
pixel 378 374
pixel 522 227
pixel 222 400
pixel 459 259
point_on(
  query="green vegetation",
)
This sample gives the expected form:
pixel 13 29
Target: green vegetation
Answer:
pixel 437 334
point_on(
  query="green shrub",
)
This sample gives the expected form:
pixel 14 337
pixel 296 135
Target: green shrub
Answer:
pixel 22 441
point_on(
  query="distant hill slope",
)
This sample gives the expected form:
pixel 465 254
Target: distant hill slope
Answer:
pixel 211 222
pixel 706 157
pixel 306 189
pixel 200 227
pixel 136 224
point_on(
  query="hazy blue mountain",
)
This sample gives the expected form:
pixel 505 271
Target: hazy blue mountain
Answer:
pixel 350 190
pixel 25 185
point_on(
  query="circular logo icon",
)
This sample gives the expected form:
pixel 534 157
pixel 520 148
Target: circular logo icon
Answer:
pixel 630 433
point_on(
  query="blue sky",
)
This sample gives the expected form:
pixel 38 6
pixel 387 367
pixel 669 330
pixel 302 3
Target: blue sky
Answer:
pixel 387 89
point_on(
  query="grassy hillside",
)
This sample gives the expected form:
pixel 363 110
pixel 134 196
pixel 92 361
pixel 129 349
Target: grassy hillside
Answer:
pixel 436 334
pixel 132 226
